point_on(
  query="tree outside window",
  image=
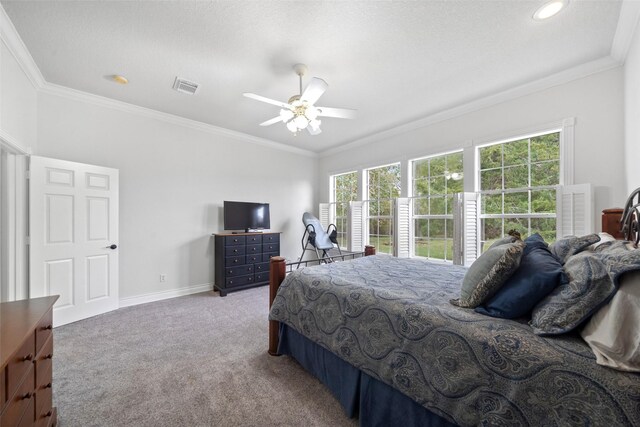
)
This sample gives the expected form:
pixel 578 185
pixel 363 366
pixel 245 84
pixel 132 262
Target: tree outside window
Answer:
pixel 345 190
pixel 383 187
pixel 435 181
pixel 517 182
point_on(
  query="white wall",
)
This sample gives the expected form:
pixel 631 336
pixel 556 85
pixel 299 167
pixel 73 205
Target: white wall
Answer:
pixel 18 101
pixel 632 113
pixel 595 101
pixel 173 180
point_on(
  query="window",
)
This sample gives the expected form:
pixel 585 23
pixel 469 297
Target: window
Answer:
pixel 434 181
pixel 383 187
pixel 344 190
pixel 517 182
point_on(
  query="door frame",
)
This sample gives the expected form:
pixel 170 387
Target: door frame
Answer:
pixel 14 220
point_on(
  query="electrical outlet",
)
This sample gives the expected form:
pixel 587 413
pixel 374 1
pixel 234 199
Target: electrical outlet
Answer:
pixel 163 277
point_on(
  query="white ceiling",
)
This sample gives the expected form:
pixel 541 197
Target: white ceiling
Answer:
pixel 395 62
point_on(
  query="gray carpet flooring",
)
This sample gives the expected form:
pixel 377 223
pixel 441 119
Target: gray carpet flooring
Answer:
pixel 198 360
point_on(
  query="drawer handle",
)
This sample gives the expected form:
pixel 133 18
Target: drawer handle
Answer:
pixel 235 260
pixel 27 395
pixel 230 271
pixel 249 269
pixel 49 356
pixel 230 282
pixel 235 240
pixel 48 385
pixel 235 250
pixel 28 357
pixel 48 414
pixel 47 328
pixel 250 278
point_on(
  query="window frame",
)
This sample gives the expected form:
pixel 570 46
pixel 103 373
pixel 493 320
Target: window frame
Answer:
pixel 343 232
pixel 392 202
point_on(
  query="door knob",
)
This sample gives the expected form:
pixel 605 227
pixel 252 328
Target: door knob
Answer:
pixel 112 247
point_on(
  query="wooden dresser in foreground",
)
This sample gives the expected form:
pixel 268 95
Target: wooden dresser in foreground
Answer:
pixel 26 352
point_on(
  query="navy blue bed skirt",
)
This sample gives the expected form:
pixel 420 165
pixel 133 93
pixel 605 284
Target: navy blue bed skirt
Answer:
pixel 372 401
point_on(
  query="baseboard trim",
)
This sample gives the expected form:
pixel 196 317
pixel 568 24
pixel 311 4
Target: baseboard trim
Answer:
pixel 159 296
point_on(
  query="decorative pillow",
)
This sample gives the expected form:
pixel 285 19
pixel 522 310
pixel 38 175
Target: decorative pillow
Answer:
pixel 571 245
pixel 503 241
pixel 593 280
pixel 613 332
pixel 538 274
pixel 487 274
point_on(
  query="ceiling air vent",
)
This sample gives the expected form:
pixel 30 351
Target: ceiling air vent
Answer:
pixel 185 86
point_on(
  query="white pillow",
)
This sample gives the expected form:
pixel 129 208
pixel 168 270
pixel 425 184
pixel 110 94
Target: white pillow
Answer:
pixel 613 332
pixel 604 237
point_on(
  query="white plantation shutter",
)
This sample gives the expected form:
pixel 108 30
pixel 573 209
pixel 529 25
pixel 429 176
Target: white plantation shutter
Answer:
pixel 574 210
pixel 402 228
pixel 466 228
pixel 356 228
pixel 324 211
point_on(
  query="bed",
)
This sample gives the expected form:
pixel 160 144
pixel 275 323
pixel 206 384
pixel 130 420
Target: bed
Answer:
pixel 380 332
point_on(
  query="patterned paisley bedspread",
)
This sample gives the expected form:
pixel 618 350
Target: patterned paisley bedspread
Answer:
pixel 392 319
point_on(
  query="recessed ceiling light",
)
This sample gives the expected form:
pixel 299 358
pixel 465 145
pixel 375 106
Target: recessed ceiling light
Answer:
pixel 550 9
pixel 122 80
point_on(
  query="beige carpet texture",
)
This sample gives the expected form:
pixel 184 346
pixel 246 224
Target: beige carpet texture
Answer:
pixel 198 360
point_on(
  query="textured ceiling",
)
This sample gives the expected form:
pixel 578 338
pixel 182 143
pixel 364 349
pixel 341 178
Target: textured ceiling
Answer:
pixel 394 62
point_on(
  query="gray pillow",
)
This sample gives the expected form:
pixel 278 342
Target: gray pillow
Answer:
pixel 593 281
pixel 571 245
pixel 488 273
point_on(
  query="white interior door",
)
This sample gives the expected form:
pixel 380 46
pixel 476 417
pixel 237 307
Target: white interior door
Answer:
pixel 73 218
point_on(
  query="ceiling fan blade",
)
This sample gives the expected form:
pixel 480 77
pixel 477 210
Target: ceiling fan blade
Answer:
pixel 314 90
pixel 339 113
pixel 313 131
pixel 267 100
pixel 271 121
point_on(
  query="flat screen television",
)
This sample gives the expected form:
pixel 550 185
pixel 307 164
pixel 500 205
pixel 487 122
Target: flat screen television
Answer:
pixel 246 216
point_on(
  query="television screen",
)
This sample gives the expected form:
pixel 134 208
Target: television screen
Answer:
pixel 246 215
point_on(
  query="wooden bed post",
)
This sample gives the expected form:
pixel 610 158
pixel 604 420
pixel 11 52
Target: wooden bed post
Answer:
pixel 276 276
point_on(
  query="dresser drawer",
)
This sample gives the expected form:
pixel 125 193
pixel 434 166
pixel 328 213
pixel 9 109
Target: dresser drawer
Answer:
pixel 234 240
pixel 270 238
pixel 21 402
pixel 44 330
pixel 254 249
pixel 271 247
pixel 27 417
pixel 239 281
pixel 254 258
pixel 234 250
pixel 3 389
pixel 263 267
pixel 18 366
pixel 234 260
pixel 43 404
pixel 254 240
pixel 238 271
pixel 44 364
pixel 266 257
pixel 262 277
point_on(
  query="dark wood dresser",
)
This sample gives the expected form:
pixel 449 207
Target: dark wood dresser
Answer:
pixel 242 260
pixel 26 352
pixel 611 222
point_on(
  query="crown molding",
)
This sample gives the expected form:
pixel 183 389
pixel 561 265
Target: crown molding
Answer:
pixel 12 145
pixel 101 101
pixel 566 76
pixel 627 24
pixel 14 43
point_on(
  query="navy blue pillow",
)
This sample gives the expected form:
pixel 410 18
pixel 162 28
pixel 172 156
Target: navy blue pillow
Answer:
pixel 539 274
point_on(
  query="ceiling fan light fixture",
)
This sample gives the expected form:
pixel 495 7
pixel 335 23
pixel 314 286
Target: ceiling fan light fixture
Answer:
pixel 315 124
pixel 549 9
pixel 311 112
pixel 286 115
pixel 292 126
pixel 301 122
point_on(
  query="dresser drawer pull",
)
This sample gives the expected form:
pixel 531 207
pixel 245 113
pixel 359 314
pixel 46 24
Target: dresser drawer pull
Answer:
pixel 230 271
pixel 47 328
pixel 235 250
pixel 249 269
pixel 231 282
pixel 235 260
pixel 27 396
pixel 48 414
pixel 48 385
pixel 49 356
pixel 28 357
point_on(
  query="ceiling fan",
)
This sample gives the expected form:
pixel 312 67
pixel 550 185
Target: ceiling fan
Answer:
pixel 299 112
